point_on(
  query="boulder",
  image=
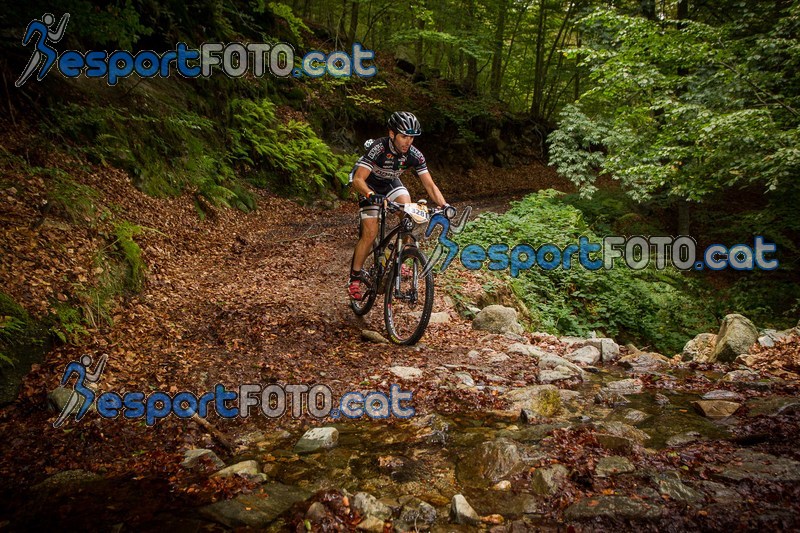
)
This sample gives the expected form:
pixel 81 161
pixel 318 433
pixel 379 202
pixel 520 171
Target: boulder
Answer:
pixel 554 362
pixel 502 486
pixel 551 376
pixel 736 335
pixel 610 397
pixel 497 319
pixel 609 350
pixel 527 350
pixel 628 416
pixel 461 512
pixel 613 464
pixel 371 525
pixel 316 512
pixel 465 378
pixel 574 342
pixel 620 437
pixel 588 355
pixel 682 439
pixel 543 400
pixel 373 336
pixel 670 485
pixel 699 348
pixel 716 409
pixel 498 357
pixel 746 360
pixel 740 376
pixel 770 336
pixel 642 362
pixel 415 514
pixel 548 481
pixel 748 464
pixel 625 430
pixel 195 458
pixel 442 317
pixel 409 373
pixel 67 481
pixel 256 510
pixel 317 439
pixel 244 468
pixel 613 507
pixel 720 394
pixel 626 386
pixel 369 506
pixel 491 461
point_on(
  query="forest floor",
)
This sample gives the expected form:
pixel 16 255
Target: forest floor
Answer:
pixel 236 298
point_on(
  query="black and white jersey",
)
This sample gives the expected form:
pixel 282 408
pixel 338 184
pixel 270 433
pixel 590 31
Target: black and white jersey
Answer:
pixel 385 164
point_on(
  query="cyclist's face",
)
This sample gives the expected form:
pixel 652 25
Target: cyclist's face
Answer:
pixel 401 142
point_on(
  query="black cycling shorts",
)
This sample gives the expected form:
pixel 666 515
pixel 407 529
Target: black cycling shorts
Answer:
pixel 390 189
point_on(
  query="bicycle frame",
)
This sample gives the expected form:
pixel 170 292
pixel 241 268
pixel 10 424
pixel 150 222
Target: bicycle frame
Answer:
pixel 396 234
pixel 406 321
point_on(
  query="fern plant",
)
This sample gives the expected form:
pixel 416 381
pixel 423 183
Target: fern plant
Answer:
pixel 291 154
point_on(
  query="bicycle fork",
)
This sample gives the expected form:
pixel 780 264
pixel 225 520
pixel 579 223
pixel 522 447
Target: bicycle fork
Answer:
pixel 411 297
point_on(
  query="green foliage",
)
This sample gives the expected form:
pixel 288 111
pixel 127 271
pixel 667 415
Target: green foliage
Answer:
pixel 295 24
pixel 68 324
pixel 547 402
pixel 119 269
pixel 131 252
pixel 16 327
pixel 289 156
pixel 680 110
pixel 115 25
pixel 767 301
pixel 75 201
pixel 657 308
pixel 576 148
pixel 166 153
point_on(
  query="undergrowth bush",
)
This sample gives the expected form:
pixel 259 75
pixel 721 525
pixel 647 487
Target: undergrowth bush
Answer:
pixel 287 156
pixel 661 309
pixel 166 152
pixel 15 327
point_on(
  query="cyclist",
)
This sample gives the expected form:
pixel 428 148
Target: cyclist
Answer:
pixel 377 177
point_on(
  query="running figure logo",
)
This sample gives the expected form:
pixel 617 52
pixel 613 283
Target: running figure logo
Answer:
pixel 43 50
pixel 446 250
pixel 80 368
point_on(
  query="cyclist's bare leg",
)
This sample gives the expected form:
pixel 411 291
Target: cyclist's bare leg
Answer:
pixel 369 230
pixel 403 199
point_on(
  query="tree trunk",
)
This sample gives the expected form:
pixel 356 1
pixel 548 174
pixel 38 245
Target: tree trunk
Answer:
pixel 683 12
pixel 577 74
pixel 648 9
pixel 683 217
pixel 538 78
pixel 497 59
pixel 470 83
pixel 352 33
pixel 341 33
pixel 418 52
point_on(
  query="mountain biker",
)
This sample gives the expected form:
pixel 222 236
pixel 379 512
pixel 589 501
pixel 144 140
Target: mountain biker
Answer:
pixel 377 177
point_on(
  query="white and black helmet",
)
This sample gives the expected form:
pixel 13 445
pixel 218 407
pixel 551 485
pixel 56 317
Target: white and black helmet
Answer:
pixel 405 123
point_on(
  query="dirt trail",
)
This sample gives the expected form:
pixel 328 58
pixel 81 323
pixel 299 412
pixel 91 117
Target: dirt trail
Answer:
pixel 247 298
pixel 237 298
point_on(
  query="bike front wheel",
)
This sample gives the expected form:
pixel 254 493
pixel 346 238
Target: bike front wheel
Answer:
pixel 409 298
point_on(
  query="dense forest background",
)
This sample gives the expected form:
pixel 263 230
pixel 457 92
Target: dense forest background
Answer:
pixel 670 117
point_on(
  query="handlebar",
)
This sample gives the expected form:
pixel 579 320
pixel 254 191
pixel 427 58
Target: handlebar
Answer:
pixel 449 211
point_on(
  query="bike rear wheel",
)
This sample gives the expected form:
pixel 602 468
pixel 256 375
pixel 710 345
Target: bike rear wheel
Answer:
pixel 408 306
pixel 363 306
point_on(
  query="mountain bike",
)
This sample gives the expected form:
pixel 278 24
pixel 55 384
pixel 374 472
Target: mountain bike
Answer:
pixel 396 267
